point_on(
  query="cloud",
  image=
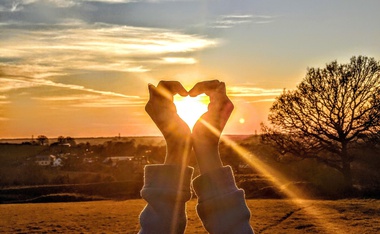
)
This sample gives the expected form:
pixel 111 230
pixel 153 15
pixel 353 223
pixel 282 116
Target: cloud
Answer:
pixel 33 53
pixel 9 84
pixel 45 50
pixel 94 101
pixel 179 60
pixel 20 5
pixel 229 21
pixel 111 1
pixel 264 100
pixel 3 100
pixel 250 91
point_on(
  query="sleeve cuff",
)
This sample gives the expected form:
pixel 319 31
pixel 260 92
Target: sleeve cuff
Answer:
pixel 214 184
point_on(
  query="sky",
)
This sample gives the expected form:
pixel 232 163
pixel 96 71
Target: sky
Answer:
pixel 81 68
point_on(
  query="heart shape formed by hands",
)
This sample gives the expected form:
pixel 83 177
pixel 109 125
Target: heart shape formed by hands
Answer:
pixel 190 109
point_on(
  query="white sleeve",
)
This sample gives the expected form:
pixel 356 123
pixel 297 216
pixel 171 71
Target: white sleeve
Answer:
pixel 166 189
pixel 221 205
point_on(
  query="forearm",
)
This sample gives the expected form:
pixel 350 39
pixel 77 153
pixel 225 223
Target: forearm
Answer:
pixel 221 205
pixel 207 156
pixel 178 151
pixel 166 189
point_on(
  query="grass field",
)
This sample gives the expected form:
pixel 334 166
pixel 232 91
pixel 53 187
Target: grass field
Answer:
pixel 268 216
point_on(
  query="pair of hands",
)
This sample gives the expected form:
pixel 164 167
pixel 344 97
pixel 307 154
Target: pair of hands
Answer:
pixel 207 130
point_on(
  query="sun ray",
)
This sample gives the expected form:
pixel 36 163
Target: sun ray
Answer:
pixel 177 205
pixel 280 182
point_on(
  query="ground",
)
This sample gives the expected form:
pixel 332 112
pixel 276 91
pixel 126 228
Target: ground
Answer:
pixel 268 216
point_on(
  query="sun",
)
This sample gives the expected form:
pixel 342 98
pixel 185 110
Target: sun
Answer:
pixel 190 109
pixel 241 120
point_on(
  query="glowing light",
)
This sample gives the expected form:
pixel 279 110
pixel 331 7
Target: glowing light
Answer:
pixel 241 120
pixel 191 108
pixel 282 183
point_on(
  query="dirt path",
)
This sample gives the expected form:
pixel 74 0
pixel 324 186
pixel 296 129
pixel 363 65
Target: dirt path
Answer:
pixel 268 216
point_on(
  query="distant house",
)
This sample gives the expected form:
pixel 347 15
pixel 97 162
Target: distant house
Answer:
pixel 57 163
pixel 135 161
pixel 117 159
pixel 45 160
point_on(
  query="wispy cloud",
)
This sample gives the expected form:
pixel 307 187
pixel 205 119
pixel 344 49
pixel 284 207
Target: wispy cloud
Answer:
pixel 31 54
pixel 229 21
pixel 51 49
pixel 3 100
pixel 263 100
pixel 9 84
pixel 20 5
pixel 91 101
pixel 111 1
pixel 251 91
pixel 179 60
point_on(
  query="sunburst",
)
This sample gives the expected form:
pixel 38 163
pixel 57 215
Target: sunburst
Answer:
pixel 190 109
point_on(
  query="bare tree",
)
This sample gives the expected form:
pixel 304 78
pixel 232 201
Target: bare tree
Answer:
pixel 328 113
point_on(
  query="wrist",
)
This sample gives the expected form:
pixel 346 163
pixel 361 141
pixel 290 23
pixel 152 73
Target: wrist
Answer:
pixel 177 153
pixel 208 159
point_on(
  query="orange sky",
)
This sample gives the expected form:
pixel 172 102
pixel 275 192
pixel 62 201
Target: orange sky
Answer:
pixel 81 68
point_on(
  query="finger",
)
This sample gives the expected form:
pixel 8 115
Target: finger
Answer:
pixel 154 96
pixel 158 94
pixel 151 89
pixel 219 102
pixel 172 88
pixel 206 87
pixel 221 89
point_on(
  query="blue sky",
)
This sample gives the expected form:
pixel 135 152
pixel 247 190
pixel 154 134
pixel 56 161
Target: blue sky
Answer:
pixel 81 68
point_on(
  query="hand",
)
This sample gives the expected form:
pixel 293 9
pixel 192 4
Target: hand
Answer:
pixel 207 130
pixel 162 110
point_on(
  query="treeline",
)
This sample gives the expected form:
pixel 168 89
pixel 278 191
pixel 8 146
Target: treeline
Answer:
pixel 85 164
pixel 81 163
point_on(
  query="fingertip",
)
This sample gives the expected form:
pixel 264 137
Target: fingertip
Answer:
pixel 191 93
pixel 175 87
pixel 221 87
pixel 183 92
pixel 150 87
pixel 180 89
pixel 206 87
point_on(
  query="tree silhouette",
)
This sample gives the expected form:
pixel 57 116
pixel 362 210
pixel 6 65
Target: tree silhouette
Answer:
pixel 71 141
pixel 61 140
pixel 328 114
pixel 42 140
